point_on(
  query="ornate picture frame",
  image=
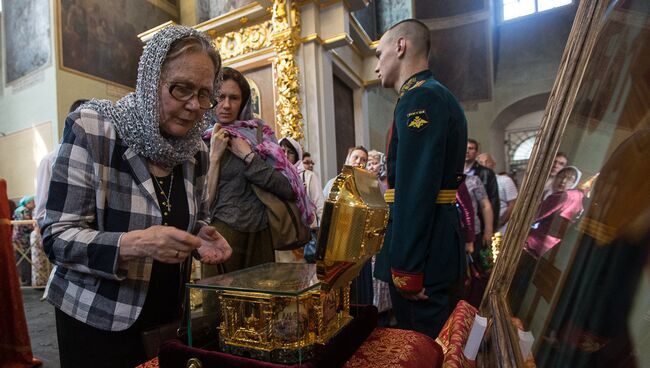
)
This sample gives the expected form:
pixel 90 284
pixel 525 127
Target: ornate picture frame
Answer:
pixel 99 39
pixel 502 341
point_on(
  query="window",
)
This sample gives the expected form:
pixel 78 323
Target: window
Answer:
pixel 518 8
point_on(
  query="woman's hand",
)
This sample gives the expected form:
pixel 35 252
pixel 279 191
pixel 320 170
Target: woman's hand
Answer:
pixel 218 142
pixel 240 148
pixel 163 243
pixel 214 247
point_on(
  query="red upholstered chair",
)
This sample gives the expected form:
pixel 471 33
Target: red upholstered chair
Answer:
pixel 453 336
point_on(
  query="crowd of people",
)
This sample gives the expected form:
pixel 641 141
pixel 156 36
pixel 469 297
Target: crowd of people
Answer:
pixel 172 172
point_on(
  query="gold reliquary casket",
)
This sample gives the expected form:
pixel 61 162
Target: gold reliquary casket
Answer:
pixel 282 312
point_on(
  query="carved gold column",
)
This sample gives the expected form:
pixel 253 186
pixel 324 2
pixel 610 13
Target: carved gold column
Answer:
pixel 286 39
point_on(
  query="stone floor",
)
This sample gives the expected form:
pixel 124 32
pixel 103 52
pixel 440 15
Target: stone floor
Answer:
pixel 42 327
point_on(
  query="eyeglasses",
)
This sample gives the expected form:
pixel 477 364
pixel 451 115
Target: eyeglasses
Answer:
pixel 182 93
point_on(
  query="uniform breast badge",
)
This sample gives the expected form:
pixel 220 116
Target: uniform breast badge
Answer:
pixel 417 120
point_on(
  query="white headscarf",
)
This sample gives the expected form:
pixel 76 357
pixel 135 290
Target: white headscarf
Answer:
pixel 296 146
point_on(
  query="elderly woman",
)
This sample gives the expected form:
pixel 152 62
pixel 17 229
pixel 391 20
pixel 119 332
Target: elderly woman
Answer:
pixel 357 156
pixel 245 152
pixel 377 164
pixel 127 205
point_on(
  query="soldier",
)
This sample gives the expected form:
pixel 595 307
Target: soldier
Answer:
pixel 423 254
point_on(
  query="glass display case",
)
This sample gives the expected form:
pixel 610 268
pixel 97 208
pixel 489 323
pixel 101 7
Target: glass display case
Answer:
pixel 283 312
pixel 571 287
pixel 272 312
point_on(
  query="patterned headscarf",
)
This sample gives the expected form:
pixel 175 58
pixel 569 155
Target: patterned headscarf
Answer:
pixel 271 152
pixel 136 115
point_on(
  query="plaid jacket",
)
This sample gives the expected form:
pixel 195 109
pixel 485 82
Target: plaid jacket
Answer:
pixel 99 190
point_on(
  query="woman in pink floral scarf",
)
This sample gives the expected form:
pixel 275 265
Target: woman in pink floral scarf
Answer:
pixel 238 160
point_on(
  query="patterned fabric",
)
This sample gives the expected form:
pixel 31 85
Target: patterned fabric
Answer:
pixel 21 232
pixel 380 292
pixel 394 348
pixel 100 189
pixel 454 335
pixel 385 348
pixel 15 347
pixel 153 363
pixel 477 192
pixel 272 153
pixel 40 265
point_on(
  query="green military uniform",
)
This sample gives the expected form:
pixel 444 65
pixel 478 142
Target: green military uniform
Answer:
pixel 423 246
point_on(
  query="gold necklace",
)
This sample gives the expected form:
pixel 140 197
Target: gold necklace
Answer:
pixel 167 203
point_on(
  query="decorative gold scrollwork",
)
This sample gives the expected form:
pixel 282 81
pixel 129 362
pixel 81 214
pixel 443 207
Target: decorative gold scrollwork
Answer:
pixel 286 39
pixel 245 40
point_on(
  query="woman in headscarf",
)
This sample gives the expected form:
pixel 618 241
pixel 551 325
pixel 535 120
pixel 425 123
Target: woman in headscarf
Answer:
pixel 127 204
pixel 554 215
pixel 245 152
pixel 293 151
pixel 556 212
pixel 310 180
pixel 21 234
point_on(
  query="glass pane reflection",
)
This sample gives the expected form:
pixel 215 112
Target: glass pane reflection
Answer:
pixel 582 286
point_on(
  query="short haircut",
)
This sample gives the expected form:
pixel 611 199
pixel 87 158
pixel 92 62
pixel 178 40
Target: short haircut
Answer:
pixel 306 154
pixel 562 154
pixel 474 141
pixel 75 105
pixel 415 31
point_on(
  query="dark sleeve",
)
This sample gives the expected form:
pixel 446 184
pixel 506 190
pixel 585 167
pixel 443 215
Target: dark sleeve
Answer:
pixel 492 189
pixel 421 121
pixel 260 173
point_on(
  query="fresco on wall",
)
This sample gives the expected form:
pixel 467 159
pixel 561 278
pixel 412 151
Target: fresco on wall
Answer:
pixel 460 60
pixel 28 45
pixel 208 9
pixel 390 12
pixel 100 38
pixel 426 9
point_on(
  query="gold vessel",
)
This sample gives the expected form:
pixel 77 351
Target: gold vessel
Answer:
pixel 282 312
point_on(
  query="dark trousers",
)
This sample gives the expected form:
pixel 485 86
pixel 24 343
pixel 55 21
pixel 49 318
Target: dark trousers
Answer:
pixel 81 345
pixel 425 316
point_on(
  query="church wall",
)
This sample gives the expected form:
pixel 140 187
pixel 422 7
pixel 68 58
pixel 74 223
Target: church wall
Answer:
pixel 381 102
pixel 528 52
pixel 28 119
